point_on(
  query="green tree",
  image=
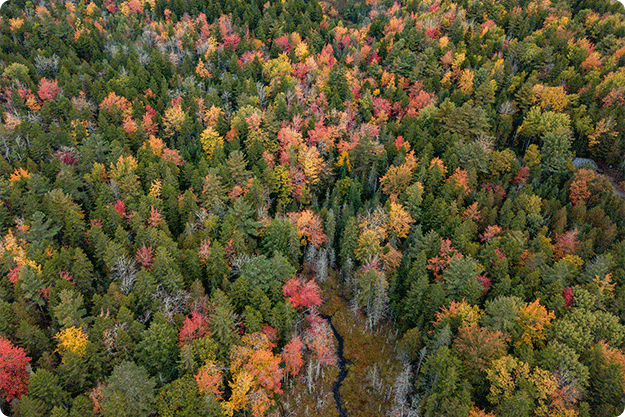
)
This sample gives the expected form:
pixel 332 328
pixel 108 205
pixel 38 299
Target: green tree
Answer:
pixel 157 351
pixel 129 392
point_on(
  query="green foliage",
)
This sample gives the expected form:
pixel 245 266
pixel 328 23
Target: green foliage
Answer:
pixel 129 392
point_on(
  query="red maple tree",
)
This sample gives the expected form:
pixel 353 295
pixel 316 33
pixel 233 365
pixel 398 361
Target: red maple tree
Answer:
pixel 48 89
pixel 13 370
pixel 292 356
pixel 302 294
pixel 194 327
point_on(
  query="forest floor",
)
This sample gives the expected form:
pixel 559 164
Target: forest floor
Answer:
pixel 371 366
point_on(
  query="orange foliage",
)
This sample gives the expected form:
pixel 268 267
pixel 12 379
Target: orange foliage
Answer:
pixel 209 378
pixel 461 178
pixel 441 166
pixel 565 244
pixel 579 187
pixel 468 314
pixel 18 174
pixel 477 346
pixel 533 320
pixel 308 225
pixel 444 257
pixel 118 106
pixel 398 178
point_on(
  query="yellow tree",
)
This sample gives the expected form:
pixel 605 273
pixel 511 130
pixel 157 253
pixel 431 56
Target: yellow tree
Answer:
pixel 399 220
pixel 211 140
pixel 73 339
pixel 532 322
pixel 311 162
pixel 173 119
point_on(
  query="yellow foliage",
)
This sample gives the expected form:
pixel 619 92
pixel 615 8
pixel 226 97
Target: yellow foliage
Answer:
pixel 155 188
pixel 465 83
pixel 201 71
pixel 126 165
pixel 533 320
pixel 311 162
pixel 72 339
pixel 301 51
pixel 344 160
pixel 503 376
pixel 399 220
pixel 241 385
pixel 174 117
pixel 532 156
pixel 211 140
pixel 18 174
pixel 441 166
pixel 278 68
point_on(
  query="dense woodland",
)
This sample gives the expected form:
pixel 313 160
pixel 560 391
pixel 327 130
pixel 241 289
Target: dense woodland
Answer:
pixel 195 195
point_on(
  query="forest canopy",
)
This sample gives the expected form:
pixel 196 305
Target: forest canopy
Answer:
pixel 226 208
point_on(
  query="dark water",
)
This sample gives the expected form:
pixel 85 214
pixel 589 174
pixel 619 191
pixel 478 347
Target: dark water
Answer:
pixel 342 369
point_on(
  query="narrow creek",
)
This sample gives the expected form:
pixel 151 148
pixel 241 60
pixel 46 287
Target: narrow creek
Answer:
pixel 342 369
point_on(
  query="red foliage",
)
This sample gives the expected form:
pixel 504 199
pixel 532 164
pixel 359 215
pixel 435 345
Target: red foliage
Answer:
pixel 292 356
pixel 302 294
pixel 485 281
pixel 48 89
pixel 14 274
pixel 565 244
pixel 445 255
pixel 120 207
pixel 67 157
pixel 284 44
pixel 232 40
pixel 155 217
pixel 144 256
pixel 567 293
pixel 194 327
pixel 522 176
pixel 67 277
pixel 319 339
pixel 13 370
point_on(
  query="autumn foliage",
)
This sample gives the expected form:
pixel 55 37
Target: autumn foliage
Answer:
pixel 14 366
pixel 302 294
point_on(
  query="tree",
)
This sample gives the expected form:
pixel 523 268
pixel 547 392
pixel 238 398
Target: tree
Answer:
pixel 129 392
pixel 293 356
pixel 48 89
pixel 69 311
pixel 533 320
pixel 461 279
pixel 211 141
pixel 477 346
pixel 157 351
pixel 223 323
pixel 578 190
pixel 399 220
pixel 13 370
pixel 556 150
pixel 182 398
pixel 195 327
pixel 302 294
pixel 308 225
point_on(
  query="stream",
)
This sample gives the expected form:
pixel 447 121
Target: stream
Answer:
pixel 342 369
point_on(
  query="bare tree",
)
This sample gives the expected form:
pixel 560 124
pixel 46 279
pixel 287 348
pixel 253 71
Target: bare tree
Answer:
pixel 125 271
